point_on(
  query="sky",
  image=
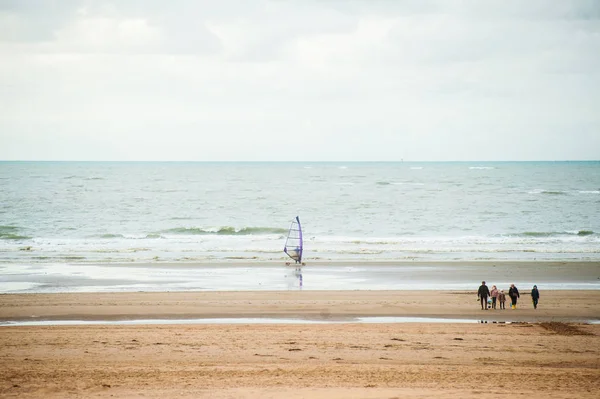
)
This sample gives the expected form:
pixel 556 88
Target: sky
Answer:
pixel 299 80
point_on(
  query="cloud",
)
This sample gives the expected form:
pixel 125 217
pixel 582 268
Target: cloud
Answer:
pixel 356 80
pixel 94 27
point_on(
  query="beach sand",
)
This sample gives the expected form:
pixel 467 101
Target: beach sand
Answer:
pixel 574 306
pixel 546 352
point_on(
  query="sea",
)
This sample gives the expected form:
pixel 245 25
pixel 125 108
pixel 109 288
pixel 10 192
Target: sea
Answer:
pixel 189 226
pixel 59 214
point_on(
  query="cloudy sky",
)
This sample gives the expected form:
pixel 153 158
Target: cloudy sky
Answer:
pixel 299 80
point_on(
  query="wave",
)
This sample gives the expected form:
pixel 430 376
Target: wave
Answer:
pixel 108 235
pixel 585 232
pixel 11 233
pixel 557 233
pixel 226 230
pixel 548 192
pixel 383 183
pixel 128 236
pixel 481 167
pixel 8 229
pixel 8 236
pixel 589 192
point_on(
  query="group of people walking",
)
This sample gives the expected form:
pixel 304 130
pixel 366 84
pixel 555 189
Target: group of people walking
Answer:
pixel 500 297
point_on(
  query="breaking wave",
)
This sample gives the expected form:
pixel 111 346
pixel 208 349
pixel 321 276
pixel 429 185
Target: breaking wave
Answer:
pixel 557 233
pixel 11 233
pixel 127 236
pixel 111 235
pixel 226 230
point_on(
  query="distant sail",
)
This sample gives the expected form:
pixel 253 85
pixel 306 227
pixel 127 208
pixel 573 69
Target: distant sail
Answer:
pixel 293 244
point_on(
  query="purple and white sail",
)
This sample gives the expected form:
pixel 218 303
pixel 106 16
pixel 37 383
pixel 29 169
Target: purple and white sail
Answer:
pixel 293 243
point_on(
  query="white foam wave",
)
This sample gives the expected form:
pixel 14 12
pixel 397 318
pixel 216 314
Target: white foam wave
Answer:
pixel 481 167
pixel 217 248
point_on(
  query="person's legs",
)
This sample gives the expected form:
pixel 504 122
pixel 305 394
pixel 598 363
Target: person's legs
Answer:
pixel 535 301
pixel 483 301
pixel 493 302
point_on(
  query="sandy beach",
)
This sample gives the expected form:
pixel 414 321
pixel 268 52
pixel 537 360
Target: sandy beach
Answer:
pixel 568 306
pixel 546 351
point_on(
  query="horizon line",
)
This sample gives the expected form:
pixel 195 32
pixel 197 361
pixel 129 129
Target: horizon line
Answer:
pixel 298 161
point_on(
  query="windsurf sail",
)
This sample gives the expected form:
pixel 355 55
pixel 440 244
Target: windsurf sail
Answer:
pixel 293 243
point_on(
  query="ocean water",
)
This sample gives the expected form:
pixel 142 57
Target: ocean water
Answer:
pixel 154 212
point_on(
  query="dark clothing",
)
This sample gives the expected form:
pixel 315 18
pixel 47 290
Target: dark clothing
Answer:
pixel 483 294
pixel 513 293
pixel 494 302
pixel 483 291
pixel 535 296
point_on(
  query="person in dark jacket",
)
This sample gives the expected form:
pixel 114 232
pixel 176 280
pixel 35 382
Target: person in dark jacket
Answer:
pixel 513 293
pixel 535 296
pixel 483 293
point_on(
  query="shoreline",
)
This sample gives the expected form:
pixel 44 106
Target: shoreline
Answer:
pixel 349 263
pixel 276 276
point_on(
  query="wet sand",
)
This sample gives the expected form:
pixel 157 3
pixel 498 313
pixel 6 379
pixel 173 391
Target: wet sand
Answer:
pixel 316 276
pixel 538 355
